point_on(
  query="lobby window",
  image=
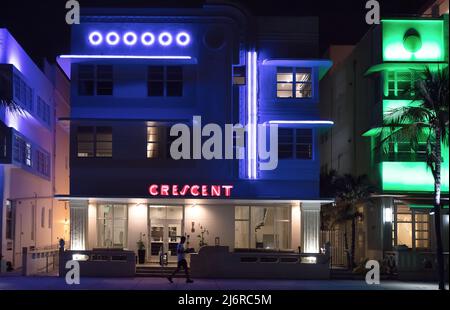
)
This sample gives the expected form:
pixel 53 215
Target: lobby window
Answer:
pixel 399 84
pixel 402 151
pixel 263 227
pixel 295 143
pixel 94 141
pixel 153 141
pixel 165 81
pixel 411 227
pixel 112 225
pixel 95 80
pixel 294 82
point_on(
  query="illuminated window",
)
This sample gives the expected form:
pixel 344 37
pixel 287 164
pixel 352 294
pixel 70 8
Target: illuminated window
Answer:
pixel 262 227
pixel 28 152
pixel 400 84
pixel 153 141
pixel 295 143
pixel 94 141
pixel 112 227
pixel 294 82
pixel 165 81
pixel 95 80
pixel 411 228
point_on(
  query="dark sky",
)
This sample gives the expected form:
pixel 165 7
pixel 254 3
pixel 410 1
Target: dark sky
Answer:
pixel 39 25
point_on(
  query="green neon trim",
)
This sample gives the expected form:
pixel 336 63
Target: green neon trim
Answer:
pixel 419 206
pixel 426 37
pixel 404 66
pixel 413 176
pixel 372 132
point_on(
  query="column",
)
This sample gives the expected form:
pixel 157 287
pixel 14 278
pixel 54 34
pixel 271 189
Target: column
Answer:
pixel 310 213
pixel 78 225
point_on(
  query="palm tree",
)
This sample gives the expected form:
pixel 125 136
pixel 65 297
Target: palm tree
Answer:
pixel 426 120
pixel 6 100
pixel 350 193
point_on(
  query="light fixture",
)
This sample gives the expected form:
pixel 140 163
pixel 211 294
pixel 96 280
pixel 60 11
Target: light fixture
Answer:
pixel 95 38
pixel 147 38
pixel 124 57
pixel 431 212
pixel 183 38
pixel 112 38
pixel 306 122
pixel 130 38
pixel 165 39
pixel 388 216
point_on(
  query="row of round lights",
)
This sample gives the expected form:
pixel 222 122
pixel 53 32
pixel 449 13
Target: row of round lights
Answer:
pixel 147 38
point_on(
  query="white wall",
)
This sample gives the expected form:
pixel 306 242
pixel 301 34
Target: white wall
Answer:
pixel 137 224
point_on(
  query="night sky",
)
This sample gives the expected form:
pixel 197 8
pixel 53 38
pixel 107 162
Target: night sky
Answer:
pixel 39 25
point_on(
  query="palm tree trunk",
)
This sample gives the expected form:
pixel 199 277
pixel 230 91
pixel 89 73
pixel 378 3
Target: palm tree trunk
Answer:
pixel 347 252
pixel 353 242
pixel 437 210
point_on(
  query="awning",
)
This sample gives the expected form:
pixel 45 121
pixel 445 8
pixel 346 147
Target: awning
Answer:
pixel 323 64
pixel 386 66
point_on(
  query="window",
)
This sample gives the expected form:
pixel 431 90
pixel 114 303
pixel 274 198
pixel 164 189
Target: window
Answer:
pixel 402 151
pixel 295 143
pixel 43 111
pixel 165 81
pixel 23 93
pixel 400 83
pixel 9 220
pixel 103 142
pixel 50 218
pixel 263 227
pixel 33 221
pixel 153 141
pixel 112 225
pixel 42 217
pixel 94 141
pixel 43 163
pixel 411 228
pixel 294 82
pixel 28 154
pixel 95 80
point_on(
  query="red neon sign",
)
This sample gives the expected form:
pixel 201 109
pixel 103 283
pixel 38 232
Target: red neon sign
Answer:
pixel 190 190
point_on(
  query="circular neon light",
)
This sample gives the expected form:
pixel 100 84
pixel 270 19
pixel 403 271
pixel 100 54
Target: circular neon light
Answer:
pixel 95 38
pixel 112 38
pixel 147 38
pixel 130 38
pixel 183 38
pixel 165 39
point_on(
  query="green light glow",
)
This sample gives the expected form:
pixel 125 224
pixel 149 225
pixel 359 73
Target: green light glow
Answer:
pixel 389 105
pixel 413 176
pixel 396 40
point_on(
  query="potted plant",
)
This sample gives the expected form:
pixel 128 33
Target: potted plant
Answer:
pixel 141 250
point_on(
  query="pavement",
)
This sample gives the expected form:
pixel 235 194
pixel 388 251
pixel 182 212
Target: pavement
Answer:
pixel 16 282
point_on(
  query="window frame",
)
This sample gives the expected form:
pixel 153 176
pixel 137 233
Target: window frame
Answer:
pixel 96 78
pixel 94 141
pixel 293 72
pixel 165 79
pixel 295 144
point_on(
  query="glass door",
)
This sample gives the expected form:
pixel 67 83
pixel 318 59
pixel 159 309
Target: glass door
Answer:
pixel 166 228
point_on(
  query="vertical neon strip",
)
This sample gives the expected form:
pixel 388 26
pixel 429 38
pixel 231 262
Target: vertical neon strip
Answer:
pixel 251 114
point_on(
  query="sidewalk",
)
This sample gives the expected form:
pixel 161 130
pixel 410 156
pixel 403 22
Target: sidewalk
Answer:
pixel 14 282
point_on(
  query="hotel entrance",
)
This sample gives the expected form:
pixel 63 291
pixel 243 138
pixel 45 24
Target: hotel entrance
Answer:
pixel 165 229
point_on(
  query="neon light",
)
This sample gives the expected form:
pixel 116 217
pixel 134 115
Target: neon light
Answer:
pixel 252 114
pixel 413 40
pixel 95 38
pixel 165 39
pixel 130 38
pixel 183 38
pixel 303 122
pixel 147 38
pixel 190 190
pixel 112 38
pixel 123 56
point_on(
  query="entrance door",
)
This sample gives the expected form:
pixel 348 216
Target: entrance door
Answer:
pixel 166 228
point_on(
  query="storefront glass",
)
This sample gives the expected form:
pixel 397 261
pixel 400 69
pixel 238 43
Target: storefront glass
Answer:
pixel 263 227
pixel 112 225
pixel 411 228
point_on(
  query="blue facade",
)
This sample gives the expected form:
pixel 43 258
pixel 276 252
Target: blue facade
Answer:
pixel 216 54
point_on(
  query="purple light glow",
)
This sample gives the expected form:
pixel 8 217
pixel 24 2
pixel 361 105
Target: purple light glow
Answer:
pixel 183 39
pixel 122 57
pixel 130 38
pixel 165 39
pixel 95 38
pixel 112 38
pixel 147 38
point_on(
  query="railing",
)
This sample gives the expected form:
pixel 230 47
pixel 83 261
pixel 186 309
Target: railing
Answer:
pixel 413 261
pixel 39 260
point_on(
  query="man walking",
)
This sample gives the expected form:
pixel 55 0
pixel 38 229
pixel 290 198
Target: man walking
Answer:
pixel 181 255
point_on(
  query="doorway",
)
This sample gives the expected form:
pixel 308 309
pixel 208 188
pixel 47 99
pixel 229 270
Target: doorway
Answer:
pixel 165 230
